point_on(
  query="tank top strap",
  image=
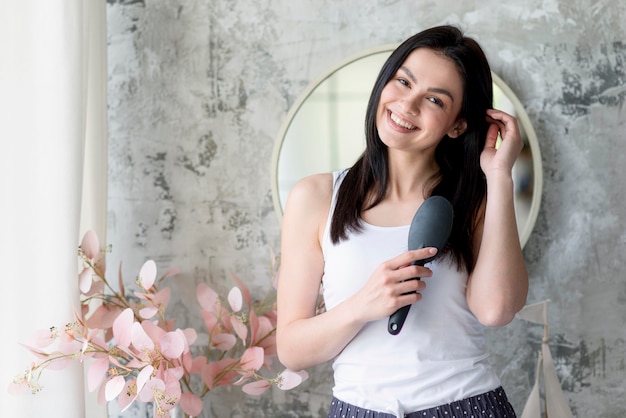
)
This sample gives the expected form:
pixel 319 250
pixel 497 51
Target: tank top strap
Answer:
pixel 338 177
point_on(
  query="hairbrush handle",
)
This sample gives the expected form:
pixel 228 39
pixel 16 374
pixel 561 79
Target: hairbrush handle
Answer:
pixel 430 227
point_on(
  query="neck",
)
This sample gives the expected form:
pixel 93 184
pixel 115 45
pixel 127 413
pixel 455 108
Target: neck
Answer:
pixel 410 177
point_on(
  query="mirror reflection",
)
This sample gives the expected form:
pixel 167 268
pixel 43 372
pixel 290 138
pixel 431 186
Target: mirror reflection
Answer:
pixel 324 131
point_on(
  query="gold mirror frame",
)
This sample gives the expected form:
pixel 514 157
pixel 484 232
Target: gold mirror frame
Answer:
pixel 529 167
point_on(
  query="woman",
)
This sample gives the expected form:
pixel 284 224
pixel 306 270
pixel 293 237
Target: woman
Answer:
pixel 430 130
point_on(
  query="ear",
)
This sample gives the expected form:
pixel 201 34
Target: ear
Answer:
pixel 458 129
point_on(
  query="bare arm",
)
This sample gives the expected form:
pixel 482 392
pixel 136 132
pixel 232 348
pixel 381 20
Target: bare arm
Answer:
pixel 303 338
pixel 498 286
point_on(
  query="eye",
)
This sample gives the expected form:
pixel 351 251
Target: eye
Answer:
pixel 436 101
pixel 403 81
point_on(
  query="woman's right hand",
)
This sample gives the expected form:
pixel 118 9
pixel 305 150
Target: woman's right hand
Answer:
pixel 305 338
pixel 392 285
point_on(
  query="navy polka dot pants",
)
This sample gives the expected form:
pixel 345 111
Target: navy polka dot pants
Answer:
pixel 492 404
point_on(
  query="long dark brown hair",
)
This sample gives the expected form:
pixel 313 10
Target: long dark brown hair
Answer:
pixel 460 179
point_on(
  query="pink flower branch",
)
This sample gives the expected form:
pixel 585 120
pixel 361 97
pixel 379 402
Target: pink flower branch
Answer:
pixel 136 353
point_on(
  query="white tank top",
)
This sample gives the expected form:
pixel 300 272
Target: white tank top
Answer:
pixel 438 357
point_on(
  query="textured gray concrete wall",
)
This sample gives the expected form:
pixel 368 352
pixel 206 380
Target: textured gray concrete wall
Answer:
pixel 198 91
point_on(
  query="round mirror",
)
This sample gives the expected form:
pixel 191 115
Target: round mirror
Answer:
pixel 324 131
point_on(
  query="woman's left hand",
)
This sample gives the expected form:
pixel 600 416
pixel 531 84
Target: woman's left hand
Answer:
pixel 498 286
pixel 502 158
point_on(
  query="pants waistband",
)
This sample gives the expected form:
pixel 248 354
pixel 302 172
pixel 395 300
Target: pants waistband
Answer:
pixel 492 404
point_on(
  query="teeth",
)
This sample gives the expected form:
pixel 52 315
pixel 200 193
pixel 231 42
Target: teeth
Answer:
pixel 402 123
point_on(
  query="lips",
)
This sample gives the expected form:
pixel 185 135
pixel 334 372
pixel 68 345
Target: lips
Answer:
pixel 401 122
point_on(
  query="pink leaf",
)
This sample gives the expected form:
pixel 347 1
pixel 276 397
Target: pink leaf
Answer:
pixel 269 345
pixel 210 320
pixel 170 395
pixel 184 335
pixel 101 395
pixel 256 388
pixel 154 331
pixel 235 299
pixel 97 286
pixel 197 363
pixel 158 300
pixel 70 346
pixel 191 404
pixel 17 388
pixel 290 379
pixel 271 316
pixel 97 340
pixel 191 336
pixel 90 245
pixel 172 271
pixel 140 339
pixel 162 297
pixel 265 336
pixel 85 279
pixel 175 373
pixel 103 317
pixel 244 289
pixel 96 373
pixel 127 396
pixel 143 377
pixel 36 351
pixel 172 383
pixel 254 327
pixel 265 327
pixel 120 280
pixel 147 274
pixel 252 358
pixel 147 393
pixel 122 328
pixel 41 338
pixel 114 387
pixel 223 342
pixel 172 344
pixel 240 328
pixel 149 312
pixel 60 363
pixel 210 371
pixel 207 297
pixel 101 265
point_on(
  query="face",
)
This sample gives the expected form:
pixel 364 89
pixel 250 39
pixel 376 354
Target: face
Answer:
pixel 421 103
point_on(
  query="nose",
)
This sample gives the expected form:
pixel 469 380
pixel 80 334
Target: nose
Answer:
pixel 411 104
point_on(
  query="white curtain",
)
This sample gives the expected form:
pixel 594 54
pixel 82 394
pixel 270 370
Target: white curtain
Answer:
pixel 52 183
pixel 555 405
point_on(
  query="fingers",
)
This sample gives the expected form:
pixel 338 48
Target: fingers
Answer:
pixel 505 123
pixel 403 275
pixel 409 257
pixel 492 135
pixel 411 286
pixel 394 284
pixel 498 115
pixel 509 144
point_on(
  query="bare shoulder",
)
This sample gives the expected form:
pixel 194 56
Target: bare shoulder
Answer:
pixel 309 200
pixel 312 191
pixel 316 186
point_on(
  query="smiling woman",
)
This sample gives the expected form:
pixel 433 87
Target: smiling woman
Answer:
pixel 430 132
pixel 324 131
pixel 421 104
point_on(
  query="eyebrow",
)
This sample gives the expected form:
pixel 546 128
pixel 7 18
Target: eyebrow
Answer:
pixel 432 89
